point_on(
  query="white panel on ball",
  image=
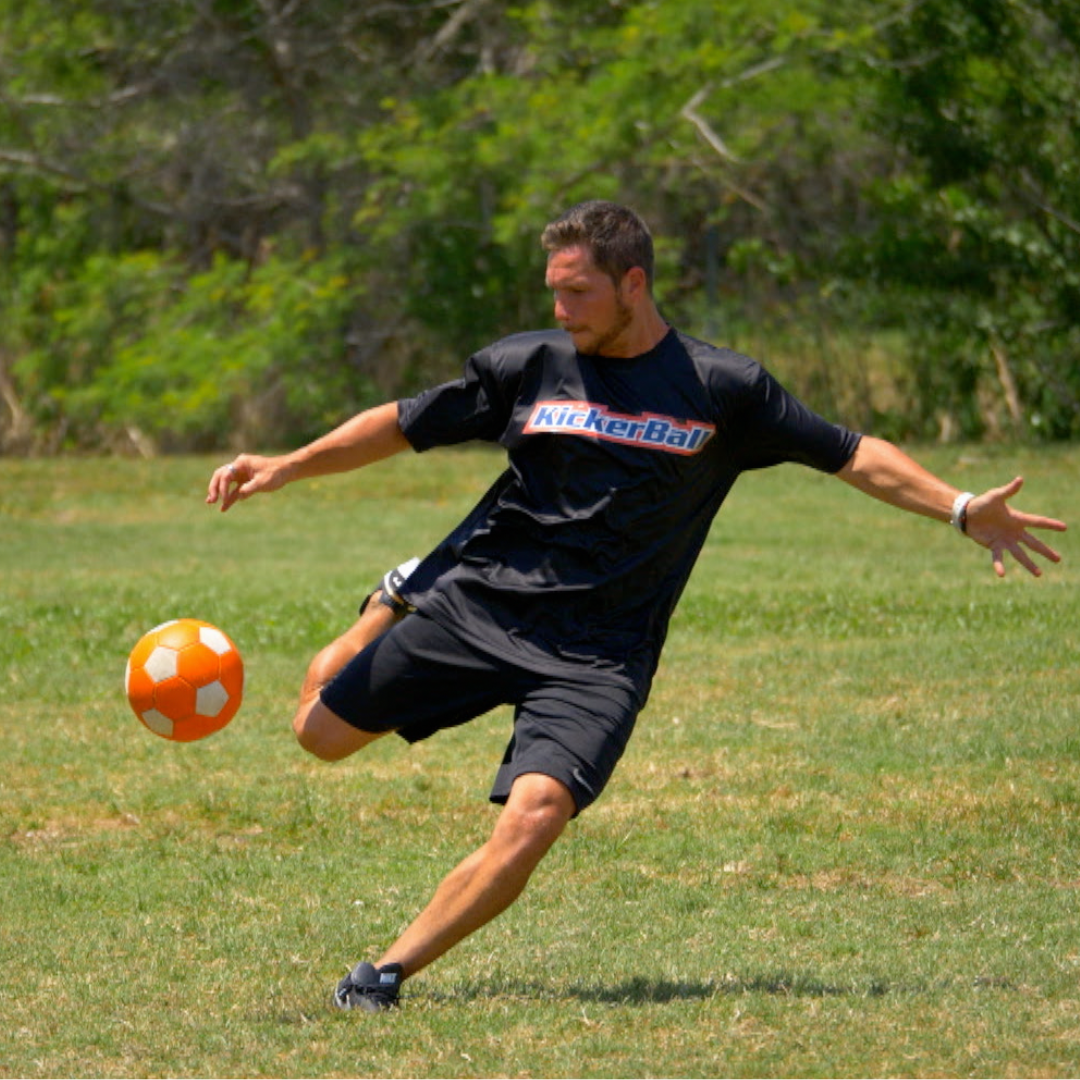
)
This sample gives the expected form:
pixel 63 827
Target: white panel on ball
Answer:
pixel 158 723
pixel 211 699
pixel 161 664
pixel 214 639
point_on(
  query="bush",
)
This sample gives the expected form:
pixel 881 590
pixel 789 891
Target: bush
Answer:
pixel 130 348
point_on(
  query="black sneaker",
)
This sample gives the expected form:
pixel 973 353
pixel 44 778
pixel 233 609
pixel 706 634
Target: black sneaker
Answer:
pixel 392 583
pixel 389 589
pixel 370 988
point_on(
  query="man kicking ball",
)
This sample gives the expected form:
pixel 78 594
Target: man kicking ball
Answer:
pixel 623 437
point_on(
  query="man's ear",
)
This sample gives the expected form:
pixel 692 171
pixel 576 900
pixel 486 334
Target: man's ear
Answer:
pixel 635 284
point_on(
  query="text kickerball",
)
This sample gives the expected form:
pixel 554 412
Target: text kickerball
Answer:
pixel 185 680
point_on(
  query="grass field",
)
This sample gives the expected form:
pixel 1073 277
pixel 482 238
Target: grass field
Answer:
pixel 845 840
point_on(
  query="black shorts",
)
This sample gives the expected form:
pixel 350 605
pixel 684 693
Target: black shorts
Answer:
pixel 418 678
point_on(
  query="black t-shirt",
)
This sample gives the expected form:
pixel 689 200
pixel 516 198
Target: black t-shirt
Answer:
pixel 578 553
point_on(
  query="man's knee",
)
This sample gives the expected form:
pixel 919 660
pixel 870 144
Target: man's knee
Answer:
pixel 319 730
pixel 325 735
pixel 536 813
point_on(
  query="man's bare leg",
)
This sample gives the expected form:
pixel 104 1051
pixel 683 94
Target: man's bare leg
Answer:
pixel 487 882
pixel 318 730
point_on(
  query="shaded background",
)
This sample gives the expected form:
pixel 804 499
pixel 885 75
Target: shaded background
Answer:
pixel 234 222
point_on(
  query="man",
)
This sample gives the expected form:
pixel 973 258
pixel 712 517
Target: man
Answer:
pixel 554 594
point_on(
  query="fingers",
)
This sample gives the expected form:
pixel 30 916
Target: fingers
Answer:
pixel 1033 521
pixel 1011 488
pixel 1040 548
pixel 1019 554
pixel 999 561
pixel 244 476
pixel 1015 549
pixel 225 485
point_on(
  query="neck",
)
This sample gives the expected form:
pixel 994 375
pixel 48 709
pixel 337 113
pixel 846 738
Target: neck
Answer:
pixel 646 330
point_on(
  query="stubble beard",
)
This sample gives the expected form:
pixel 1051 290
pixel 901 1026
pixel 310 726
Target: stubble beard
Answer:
pixel 603 343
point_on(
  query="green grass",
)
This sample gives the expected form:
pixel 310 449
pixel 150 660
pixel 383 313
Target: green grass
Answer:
pixel 845 840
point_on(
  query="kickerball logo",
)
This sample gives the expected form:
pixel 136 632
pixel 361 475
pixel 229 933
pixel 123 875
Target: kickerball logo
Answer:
pixel 663 433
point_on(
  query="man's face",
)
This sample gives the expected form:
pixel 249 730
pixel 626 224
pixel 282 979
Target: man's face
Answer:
pixel 588 306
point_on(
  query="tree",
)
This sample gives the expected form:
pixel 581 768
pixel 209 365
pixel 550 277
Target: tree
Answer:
pixel 279 210
pixel 979 230
pixel 146 148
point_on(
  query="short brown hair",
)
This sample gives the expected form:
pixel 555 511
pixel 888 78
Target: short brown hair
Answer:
pixel 617 238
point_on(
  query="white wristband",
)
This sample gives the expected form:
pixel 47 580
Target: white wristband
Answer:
pixel 959 511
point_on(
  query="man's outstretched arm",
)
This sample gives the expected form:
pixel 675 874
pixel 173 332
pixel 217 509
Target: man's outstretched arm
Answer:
pixel 886 472
pixel 368 437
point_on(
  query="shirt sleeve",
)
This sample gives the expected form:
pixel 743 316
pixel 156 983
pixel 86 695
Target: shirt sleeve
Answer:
pixel 476 406
pixel 774 426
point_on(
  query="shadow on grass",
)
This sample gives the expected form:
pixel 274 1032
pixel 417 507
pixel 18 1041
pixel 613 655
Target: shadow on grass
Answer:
pixel 641 990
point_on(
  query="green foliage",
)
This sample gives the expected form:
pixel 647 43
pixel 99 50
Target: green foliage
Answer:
pixel 671 106
pixel 842 169
pixel 981 243
pixel 136 344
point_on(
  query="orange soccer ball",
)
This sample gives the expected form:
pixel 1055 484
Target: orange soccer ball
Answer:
pixel 185 680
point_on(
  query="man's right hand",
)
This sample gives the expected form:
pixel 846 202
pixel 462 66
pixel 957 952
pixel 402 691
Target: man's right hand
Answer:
pixel 246 475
